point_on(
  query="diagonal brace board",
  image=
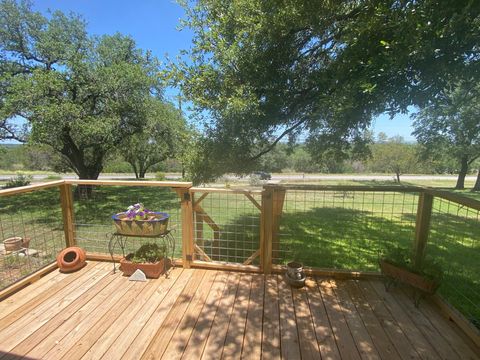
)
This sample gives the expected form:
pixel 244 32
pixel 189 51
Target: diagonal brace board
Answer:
pixel 202 253
pixel 252 257
pixel 206 218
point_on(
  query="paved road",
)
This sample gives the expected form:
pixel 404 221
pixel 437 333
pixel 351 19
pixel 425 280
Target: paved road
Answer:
pixel 275 177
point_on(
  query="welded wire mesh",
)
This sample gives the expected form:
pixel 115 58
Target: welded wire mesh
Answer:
pixel 345 230
pixel 36 218
pixel 227 226
pixel 93 215
pixel 454 242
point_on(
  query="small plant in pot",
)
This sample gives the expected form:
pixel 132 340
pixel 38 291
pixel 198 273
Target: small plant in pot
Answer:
pixel 397 266
pixel 149 258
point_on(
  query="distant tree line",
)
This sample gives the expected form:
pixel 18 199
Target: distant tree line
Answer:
pixel 383 155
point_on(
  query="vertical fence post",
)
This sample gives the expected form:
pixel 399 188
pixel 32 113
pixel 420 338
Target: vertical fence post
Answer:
pixel 187 227
pixel 279 193
pixel 422 227
pixel 266 227
pixel 66 199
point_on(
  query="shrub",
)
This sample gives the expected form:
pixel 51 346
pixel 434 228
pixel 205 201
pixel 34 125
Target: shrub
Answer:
pixel 160 176
pixel 19 180
pixel 148 253
pixel 53 177
pixel 255 180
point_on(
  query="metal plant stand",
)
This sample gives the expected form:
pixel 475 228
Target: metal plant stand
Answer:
pixel 121 240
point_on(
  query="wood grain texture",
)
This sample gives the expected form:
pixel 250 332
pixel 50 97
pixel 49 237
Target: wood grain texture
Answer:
pixel 212 314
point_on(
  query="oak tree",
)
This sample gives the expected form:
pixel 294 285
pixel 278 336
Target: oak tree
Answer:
pixel 260 71
pixel 80 95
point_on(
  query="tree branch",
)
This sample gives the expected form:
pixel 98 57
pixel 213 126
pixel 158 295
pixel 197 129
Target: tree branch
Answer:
pixel 282 135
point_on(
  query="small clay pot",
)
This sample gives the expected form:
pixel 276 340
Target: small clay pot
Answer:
pixel 25 242
pixel 13 243
pixel 71 259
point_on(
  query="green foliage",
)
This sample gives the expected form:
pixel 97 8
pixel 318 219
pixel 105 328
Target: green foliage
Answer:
pixel 13 157
pixel 393 155
pixel 262 70
pixel 430 268
pixel 163 136
pixel 18 180
pixel 160 176
pixel 80 95
pixel 148 253
pixel 275 160
pixel 449 124
pixel 53 177
pixel 116 164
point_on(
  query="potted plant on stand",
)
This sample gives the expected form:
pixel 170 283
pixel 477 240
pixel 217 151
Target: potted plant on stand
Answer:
pixel 396 266
pixel 150 258
pixel 139 221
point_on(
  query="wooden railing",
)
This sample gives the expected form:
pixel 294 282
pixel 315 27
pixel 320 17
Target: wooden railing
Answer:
pixel 205 241
pixel 269 205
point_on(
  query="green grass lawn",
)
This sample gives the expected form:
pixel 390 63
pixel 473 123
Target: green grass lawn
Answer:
pixel 326 229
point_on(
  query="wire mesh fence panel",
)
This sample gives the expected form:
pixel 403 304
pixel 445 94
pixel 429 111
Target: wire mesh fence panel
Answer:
pixel 227 227
pixel 94 225
pixel 454 242
pixel 345 230
pixel 33 223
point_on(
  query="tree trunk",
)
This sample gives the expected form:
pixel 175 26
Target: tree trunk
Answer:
pixel 142 173
pixel 462 174
pixel 87 173
pixel 398 176
pixel 476 187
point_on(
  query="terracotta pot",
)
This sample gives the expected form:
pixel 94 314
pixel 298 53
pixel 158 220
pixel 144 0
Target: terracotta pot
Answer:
pixel 26 242
pixel 157 225
pixel 13 243
pixel 71 259
pixel 405 276
pixel 151 270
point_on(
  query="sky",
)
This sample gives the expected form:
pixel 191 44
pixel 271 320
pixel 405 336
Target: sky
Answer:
pixel 154 26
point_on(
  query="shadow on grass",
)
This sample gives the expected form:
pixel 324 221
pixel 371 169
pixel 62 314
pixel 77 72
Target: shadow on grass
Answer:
pixel 42 206
pixel 454 242
pixel 340 238
pixel 237 240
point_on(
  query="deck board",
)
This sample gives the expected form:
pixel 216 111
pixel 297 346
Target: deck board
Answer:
pixel 357 327
pixel 193 314
pixel 416 337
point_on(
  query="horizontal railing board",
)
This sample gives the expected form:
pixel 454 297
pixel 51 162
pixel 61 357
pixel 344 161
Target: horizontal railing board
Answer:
pixel 30 188
pixel 335 273
pixel 220 265
pixel 21 283
pixel 454 197
pixel 385 188
pixel 222 190
pixel 454 315
pixel 174 184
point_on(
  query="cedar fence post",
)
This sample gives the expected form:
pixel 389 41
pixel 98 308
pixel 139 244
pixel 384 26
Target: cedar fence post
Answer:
pixel 187 227
pixel 66 199
pixel 422 227
pixel 266 226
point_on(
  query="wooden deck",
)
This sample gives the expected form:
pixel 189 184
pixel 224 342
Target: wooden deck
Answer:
pixel 208 314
